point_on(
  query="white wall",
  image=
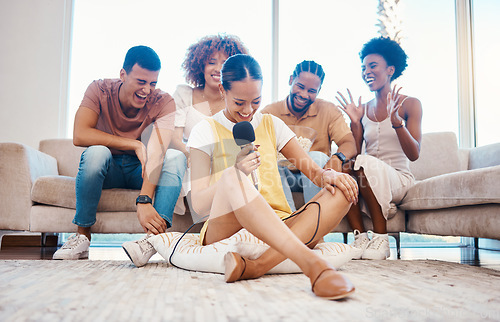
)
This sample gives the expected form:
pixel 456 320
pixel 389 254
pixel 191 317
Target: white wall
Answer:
pixel 34 60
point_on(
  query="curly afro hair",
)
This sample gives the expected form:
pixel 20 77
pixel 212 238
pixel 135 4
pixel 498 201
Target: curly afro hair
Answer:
pixel 198 54
pixel 392 52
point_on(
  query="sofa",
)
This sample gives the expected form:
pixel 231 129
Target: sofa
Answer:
pixel 37 192
pixel 457 192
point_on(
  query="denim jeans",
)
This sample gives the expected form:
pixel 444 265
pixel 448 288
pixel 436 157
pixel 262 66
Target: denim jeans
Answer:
pixel 298 182
pixel 99 169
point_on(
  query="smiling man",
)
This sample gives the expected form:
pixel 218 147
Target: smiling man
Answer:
pixel 109 122
pixel 302 108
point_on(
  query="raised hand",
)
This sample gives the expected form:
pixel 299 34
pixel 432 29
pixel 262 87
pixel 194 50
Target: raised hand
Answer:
pixel 354 112
pixel 393 105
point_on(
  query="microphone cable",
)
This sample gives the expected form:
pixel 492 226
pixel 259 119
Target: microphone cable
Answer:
pixel 179 240
pixel 302 210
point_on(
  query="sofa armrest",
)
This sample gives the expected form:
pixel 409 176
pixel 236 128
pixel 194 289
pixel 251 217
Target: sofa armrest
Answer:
pixel 484 156
pixel 20 166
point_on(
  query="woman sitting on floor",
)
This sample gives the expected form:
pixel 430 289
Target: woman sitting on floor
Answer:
pixel 222 189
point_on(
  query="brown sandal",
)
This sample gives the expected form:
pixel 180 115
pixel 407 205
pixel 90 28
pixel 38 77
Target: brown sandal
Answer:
pixel 329 284
pixel 235 266
pixel 239 268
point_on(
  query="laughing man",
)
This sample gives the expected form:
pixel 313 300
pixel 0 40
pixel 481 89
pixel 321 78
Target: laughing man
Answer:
pixel 109 123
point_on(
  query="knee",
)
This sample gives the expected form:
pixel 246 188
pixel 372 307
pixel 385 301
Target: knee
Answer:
pixel 342 202
pixel 231 178
pixel 175 162
pixel 97 152
pixel 335 201
pixel 95 157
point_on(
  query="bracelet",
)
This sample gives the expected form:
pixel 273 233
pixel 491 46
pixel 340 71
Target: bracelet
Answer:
pixel 322 175
pixel 398 127
pixel 327 169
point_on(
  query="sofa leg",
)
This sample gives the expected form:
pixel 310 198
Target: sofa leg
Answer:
pixel 345 237
pixel 5 232
pixel 476 242
pixel 43 241
pixel 43 238
pixel 398 244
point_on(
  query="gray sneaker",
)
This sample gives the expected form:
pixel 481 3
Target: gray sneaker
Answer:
pixel 360 243
pixel 76 247
pixel 139 251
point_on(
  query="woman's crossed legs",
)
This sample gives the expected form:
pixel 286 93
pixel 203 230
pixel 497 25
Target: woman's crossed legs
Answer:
pixel 237 204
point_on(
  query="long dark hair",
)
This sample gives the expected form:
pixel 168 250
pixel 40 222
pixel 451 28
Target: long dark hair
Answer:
pixel 239 67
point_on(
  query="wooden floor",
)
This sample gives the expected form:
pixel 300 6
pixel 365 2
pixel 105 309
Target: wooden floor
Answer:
pixel 15 247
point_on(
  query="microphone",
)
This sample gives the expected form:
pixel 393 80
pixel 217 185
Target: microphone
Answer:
pixel 244 135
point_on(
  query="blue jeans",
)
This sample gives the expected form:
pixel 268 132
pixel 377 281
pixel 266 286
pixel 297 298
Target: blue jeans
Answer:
pixel 99 169
pixel 298 182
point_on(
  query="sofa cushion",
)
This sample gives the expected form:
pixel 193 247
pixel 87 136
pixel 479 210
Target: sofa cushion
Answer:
pixel 66 154
pixel 438 155
pixel 485 156
pixel 60 191
pixel 472 187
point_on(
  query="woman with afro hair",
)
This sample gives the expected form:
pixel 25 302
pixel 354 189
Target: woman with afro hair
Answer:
pixel 200 98
pixel 390 126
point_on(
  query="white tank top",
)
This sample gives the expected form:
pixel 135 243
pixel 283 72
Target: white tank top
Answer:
pixel 381 141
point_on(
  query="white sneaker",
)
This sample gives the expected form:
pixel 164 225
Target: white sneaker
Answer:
pixel 139 251
pixel 360 243
pixel 378 248
pixel 76 247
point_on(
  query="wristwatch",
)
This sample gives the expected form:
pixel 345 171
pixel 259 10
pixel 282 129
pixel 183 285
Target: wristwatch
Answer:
pixel 341 157
pixel 143 199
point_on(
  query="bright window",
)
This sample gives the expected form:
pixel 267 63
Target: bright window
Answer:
pixel 330 33
pixel 324 31
pixel 486 38
pixel 103 31
pixel 429 39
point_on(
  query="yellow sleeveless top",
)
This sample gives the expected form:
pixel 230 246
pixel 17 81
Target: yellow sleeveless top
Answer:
pixel 224 156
